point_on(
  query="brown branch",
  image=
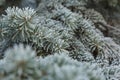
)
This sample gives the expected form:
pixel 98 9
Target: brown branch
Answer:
pixel 107 26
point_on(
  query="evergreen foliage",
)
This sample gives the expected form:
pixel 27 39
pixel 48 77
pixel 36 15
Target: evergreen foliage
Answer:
pixel 66 41
pixel 21 63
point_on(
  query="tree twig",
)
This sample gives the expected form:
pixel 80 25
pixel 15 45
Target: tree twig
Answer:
pixel 108 26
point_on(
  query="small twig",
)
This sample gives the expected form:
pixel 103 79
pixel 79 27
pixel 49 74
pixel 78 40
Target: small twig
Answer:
pixel 108 26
